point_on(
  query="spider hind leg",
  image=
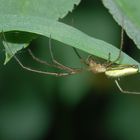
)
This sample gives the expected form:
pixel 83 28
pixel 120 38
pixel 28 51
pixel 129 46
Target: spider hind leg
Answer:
pixel 125 91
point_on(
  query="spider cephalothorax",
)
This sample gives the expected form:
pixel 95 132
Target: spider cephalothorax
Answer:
pixel 94 66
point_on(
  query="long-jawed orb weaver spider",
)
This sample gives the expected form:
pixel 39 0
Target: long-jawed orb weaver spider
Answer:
pixel 109 69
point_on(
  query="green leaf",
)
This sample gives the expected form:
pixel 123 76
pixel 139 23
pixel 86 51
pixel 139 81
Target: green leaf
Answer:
pixel 63 33
pixel 15 47
pixel 16 41
pixel 53 9
pixel 19 20
pixel 126 12
pixel 44 8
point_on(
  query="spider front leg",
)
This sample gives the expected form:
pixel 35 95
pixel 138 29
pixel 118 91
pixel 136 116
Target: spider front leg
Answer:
pixel 37 59
pixel 59 65
pixel 55 64
pixel 42 72
pixel 34 70
pixel 51 65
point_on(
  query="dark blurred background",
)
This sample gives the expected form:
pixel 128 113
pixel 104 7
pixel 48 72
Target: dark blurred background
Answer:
pixel 83 106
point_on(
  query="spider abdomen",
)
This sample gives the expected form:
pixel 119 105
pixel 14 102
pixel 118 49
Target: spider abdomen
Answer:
pixel 121 70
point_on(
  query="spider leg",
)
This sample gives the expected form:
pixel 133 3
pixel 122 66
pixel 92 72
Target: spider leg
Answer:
pixel 43 72
pixel 109 56
pixel 108 62
pixel 125 91
pixel 48 64
pixel 121 45
pixel 37 59
pixel 77 53
pixel 38 71
pixel 79 56
pixel 59 65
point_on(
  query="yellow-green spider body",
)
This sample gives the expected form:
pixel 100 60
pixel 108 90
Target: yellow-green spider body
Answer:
pixel 121 70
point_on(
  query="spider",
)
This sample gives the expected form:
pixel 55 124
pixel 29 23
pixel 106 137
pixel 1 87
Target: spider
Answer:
pixel 110 69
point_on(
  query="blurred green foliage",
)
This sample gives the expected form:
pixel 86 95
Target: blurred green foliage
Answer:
pixel 84 106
